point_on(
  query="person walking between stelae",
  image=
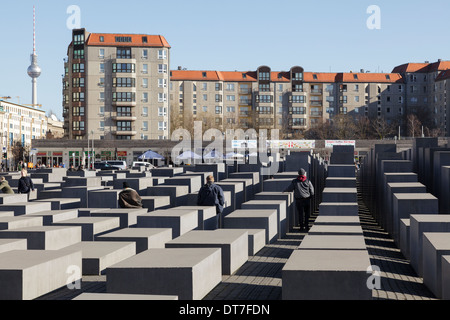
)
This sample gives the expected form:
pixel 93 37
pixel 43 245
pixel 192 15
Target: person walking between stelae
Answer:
pixel 212 195
pixel 303 192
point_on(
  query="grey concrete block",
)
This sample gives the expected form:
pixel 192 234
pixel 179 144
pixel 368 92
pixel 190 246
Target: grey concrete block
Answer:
pixel 177 193
pixel 405 229
pixel 138 184
pixel 26 207
pixel 255 176
pixel 419 224
pixel 17 222
pixel 279 205
pixel 189 273
pixel 180 221
pixel 338 209
pixel 435 245
pixel 288 197
pixel 79 192
pixel 6 214
pixel 337 221
pixel 444 200
pixel 233 244
pixel 276 185
pixel 31 274
pixel 339 195
pixel 97 256
pixel 237 191
pixel 53 216
pixel 12 198
pixel 46 237
pixel 193 182
pixel 92 226
pixel 340 182
pixel 256 240
pixel 104 198
pixel 145 238
pixel 152 203
pixel 207 216
pixel 12 244
pixel 406 204
pixel 166 172
pixel 445 262
pixel 326 275
pixel 128 217
pixel 335 230
pixel 341 170
pixel 63 203
pixel 254 219
pixel 49 194
pixel 87 296
pixel 82 182
pixel 249 190
pixel 333 242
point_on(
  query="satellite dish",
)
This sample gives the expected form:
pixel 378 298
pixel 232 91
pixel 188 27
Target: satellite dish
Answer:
pixel 54 118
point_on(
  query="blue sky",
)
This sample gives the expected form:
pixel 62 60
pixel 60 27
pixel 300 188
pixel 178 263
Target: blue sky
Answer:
pixel 322 36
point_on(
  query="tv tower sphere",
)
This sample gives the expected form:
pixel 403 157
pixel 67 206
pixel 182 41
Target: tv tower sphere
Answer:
pixel 34 71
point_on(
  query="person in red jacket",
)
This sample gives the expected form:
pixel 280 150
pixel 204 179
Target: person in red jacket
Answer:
pixel 303 192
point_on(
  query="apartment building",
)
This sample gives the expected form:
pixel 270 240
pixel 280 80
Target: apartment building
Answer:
pixel 115 86
pixel 292 101
pixel 20 123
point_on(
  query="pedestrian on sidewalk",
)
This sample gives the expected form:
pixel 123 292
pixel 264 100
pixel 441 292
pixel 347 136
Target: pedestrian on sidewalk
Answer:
pixel 303 192
pixel 212 195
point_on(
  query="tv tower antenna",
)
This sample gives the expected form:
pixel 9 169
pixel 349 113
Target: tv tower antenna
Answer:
pixel 34 71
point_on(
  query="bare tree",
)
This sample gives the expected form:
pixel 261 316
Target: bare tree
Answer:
pixel 344 126
pixel 364 128
pixel 382 128
pixel 413 125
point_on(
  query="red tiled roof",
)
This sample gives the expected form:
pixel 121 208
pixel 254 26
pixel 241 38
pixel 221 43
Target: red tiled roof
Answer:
pixel 370 77
pixel 319 77
pixel 136 40
pixel 422 67
pixel 443 75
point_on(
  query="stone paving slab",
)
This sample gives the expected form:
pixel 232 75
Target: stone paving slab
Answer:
pixel 121 297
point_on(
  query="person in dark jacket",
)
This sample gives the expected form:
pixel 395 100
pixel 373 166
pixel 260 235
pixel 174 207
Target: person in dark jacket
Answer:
pixel 4 186
pixel 25 183
pixel 129 198
pixel 303 192
pixel 212 195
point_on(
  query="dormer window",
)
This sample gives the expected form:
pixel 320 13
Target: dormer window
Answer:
pixel 204 74
pixel 355 77
pixel 315 76
pixel 144 40
pixel 102 39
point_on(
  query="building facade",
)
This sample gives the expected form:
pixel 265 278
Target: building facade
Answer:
pixel 116 86
pixel 292 102
pixel 20 124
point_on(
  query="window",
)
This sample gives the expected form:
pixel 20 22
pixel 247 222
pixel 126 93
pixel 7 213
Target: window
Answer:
pixel 329 88
pixel 280 87
pixel 356 98
pixel 102 125
pixel 298 76
pixel 230 87
pixel 78 54
pixel 205 86
pixel 265 98
pixel 298 110
pixel 162 68
pixel 298 122
pixel 343 88
pixel 231 121
pixel 144 39
pixel 145 111
pixel 78 111
pixel 78 96
pixel 102 82
pixel 205 97
pixel 123 39
pixel 264 76
pixel 101 111
pixel 298 88
pixel 162 126
pixel 218 98
pixel 124 53
pixel 78 39
pixel 145 68
pixel 78 68
pixel 124 126
pixel 145 126
pixel 162 83
pixel 231 98
pixel 231 109
pixel 145 97
pixel 124 82
pixel 102 96
pixel 124 97
pixel 264 87
pixel 315 76
pixel 145 83
pixel 162 112
pixel 102 39
pixel 78 126
pixel 204 74
pixel 218 121
pixel 356 87
pixel 218 110
pixel 78 82
pixel 355 77
pixel 124 67
pixel 218 87
pixel 330 99
pixel 144 54
pixel 162 55
pixel 298 99
pixel 162 97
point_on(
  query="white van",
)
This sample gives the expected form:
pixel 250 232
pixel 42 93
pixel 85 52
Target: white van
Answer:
pixel 143 164
pixel 117 163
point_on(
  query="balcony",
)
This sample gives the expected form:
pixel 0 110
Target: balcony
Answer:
pixel 245 102
pixel 124 116
pixel 119 132
pixel 316 113
pixel 316 91
pixel 316 103
pixel 245 91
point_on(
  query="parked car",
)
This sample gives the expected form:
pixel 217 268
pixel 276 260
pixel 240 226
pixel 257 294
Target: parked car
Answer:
pixel 104 166
pixel 122 165
pixel 143 164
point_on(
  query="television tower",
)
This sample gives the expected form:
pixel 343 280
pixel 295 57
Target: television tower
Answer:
pixel 34 71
